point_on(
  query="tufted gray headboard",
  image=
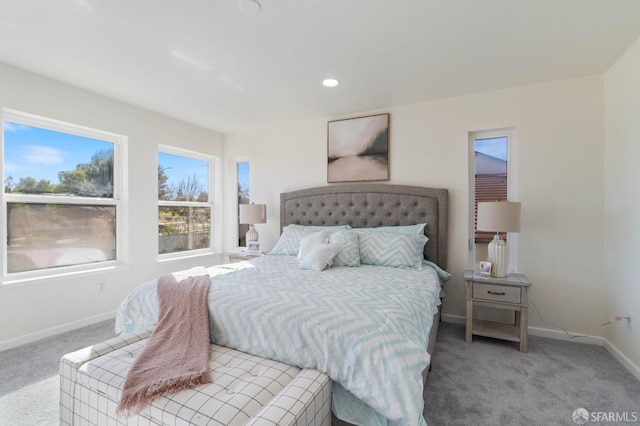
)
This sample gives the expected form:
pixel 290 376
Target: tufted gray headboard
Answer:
pixel 372 205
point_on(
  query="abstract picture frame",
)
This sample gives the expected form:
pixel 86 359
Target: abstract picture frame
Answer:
pixel 358 149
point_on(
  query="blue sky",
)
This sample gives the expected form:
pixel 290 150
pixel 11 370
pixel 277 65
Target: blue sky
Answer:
pixel 179 168
pixel 495 147
pixel 41 154
pixel 243 175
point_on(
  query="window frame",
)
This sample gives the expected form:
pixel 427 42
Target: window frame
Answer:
pixel 119 148
pixel 212 203
pixel 512 238
pixel 239 226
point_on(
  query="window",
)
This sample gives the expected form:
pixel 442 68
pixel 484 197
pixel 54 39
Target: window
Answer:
pixel 243 198
pixel 491 180
pixel 184 201
pixel 60 196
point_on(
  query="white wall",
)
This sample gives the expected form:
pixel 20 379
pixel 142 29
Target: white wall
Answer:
pixel 559 133
pixel 561 181
pixel 622 200
pixel 32 310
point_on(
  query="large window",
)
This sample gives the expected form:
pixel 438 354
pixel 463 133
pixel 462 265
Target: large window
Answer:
pixel 184 201
pixel 492 180
pixel 61 200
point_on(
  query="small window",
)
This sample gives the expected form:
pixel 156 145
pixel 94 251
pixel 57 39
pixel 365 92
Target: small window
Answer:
pixel 243 198
pixel 60 195
pixel 491 181
pixel 184 201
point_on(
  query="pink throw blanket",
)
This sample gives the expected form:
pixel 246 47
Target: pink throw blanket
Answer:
pixel 176 356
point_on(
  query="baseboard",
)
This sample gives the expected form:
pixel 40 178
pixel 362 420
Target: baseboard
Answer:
pixel 622 359
pixel 454 319
pixel 561 335
pixel 43 334
pixel 569 337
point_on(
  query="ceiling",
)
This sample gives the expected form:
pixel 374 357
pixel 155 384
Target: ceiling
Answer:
pixel 208 63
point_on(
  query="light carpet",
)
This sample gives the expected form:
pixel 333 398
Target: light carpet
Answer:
pixel 490 382
pixel 487 382
pixel 30 385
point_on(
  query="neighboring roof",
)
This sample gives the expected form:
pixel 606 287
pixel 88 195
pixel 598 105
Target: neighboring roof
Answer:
pixel 489 188
pixel 489 165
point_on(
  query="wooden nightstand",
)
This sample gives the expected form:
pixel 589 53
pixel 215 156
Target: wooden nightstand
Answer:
pixel 511 292
pixel 241 256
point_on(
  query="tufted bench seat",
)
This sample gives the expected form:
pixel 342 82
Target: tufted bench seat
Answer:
pixel 246 390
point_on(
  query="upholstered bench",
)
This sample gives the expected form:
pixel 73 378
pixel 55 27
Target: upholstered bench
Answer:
pixel 246 390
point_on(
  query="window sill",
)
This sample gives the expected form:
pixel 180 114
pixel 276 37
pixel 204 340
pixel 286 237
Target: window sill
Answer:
pixel 15 283
pixel 172 257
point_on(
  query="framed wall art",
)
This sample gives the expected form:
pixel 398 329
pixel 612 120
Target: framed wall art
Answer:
pixel 358 149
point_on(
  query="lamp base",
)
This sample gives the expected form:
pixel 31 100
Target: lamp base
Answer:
pixel 498 253
pixel 252 234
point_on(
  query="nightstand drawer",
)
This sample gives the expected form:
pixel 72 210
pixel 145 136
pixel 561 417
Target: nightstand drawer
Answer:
pixel 498 293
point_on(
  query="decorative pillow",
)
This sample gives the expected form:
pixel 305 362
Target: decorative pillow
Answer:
pixel 309 242
pixel 320 257
pixel 395 250
pixel 289 242
pixel 350 253
pixel 417 229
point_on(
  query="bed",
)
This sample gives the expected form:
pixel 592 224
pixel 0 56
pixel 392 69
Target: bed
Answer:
pixel 370 328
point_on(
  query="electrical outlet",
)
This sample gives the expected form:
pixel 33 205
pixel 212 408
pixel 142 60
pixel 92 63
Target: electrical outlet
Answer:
pixel 101 285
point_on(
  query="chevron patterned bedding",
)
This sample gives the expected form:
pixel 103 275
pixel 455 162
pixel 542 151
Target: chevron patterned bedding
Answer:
pixel 366 327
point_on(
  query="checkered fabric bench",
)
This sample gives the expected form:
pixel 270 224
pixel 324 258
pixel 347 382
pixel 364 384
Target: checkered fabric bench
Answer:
pixel 246 390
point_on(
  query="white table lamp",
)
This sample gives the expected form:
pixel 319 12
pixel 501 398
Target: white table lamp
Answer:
pixel 251 214
pixel 499 216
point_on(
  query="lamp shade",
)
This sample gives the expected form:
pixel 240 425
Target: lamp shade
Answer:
pixel 498 216
pixel 253 213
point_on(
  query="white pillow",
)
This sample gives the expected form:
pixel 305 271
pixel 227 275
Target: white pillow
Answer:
pixel 395 250
pixel 309 242
pixel 320 257
pixel 350 253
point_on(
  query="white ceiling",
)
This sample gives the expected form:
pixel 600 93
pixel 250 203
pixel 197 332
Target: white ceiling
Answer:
pixel 208 63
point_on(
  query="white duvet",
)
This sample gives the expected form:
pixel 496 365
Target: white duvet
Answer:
pixel 366 327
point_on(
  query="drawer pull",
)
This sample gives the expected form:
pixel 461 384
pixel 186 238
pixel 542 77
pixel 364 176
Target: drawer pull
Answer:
pixel 497 293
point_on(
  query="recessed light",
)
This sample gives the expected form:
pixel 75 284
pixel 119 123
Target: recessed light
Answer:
pixel 249 6
pixel 330 82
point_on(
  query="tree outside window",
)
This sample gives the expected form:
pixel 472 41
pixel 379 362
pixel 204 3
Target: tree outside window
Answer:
pixel 184 207
pixel 60 195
